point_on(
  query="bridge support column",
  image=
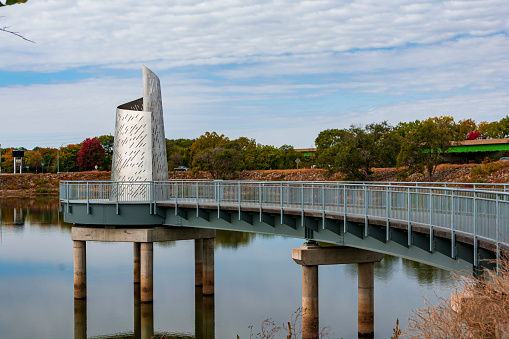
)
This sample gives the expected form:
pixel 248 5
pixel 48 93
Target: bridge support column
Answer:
pixel 146 272
pixel 366 300
pixel 208 266
pixel 310 320
pixel 136 262
pixel 80 269
pixel 310 257
pixel 198 262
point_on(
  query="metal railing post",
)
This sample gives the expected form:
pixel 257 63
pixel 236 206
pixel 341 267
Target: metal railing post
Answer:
pixel 197 200
pixel 497 209
pixel 431 240
pixel 239 190
pixel 453 233
pixel 88 198
pixel 302 205
pixel 344 209
pixel 387 212
pixel 281 200
pixel 323 206
pixel 475 228
pixel 260 196
pixel 116 201
pixel 409 225
pixel 365 211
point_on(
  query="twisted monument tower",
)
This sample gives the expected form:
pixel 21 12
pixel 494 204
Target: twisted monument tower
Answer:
pixel 139 152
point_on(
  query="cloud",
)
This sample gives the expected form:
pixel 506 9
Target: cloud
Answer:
pixel 278 71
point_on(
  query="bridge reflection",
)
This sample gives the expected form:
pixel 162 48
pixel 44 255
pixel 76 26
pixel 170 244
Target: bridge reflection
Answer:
pixel 143 322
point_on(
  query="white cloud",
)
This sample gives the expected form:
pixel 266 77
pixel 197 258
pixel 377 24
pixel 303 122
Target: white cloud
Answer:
pixel 278 71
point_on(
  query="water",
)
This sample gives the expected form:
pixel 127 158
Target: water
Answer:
pixel 255 279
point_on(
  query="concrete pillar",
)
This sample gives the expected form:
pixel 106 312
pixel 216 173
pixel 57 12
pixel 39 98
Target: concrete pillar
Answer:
pixel 136 262
pixel 80 319
pixel 198 262
pixel 208 266
pixel 310 322
pixel 80 269
pixel 366 300
pixel 147 320
pixel 146 272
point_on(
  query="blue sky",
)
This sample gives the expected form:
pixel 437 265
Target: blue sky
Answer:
pixel 277 71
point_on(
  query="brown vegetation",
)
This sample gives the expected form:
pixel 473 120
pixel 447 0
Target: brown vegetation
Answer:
pixel 478 308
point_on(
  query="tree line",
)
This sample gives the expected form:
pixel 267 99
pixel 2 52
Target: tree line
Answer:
pixel 353 151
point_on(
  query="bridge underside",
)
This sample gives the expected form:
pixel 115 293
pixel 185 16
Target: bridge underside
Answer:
pixel 437 247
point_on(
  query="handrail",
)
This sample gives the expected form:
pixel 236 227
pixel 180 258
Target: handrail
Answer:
pixel 482 212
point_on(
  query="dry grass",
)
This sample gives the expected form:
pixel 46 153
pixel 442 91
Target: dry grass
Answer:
pixel 478 308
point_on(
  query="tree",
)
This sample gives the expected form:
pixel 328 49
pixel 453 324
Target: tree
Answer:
pixel 207 142
pixel 6 28
pixel 423 146
pixel 69 158
pixel 90 155
pixel 357 150
pixel 107 142
pixel 34 160
pixel 222 163
pixel 464 127
pixel 7 160
pixel 472 135
pixel 328 144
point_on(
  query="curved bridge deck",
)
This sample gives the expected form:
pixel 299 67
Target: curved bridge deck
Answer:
pixel 445 225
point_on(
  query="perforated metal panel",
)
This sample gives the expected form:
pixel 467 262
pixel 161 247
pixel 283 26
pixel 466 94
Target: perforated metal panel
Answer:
pixel 139 152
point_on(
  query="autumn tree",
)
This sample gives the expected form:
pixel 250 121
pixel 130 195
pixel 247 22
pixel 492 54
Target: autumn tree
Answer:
pixel 107 142
pixel 91 154
pixel 33 159
pixel 68 158
pixel 7 160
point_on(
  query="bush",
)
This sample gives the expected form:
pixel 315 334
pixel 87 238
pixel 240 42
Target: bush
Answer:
pixel 479 308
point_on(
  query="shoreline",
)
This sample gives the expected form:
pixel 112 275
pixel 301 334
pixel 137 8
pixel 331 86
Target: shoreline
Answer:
pixel 47 184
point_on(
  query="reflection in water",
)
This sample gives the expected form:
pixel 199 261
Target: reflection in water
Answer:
pixel 80 319
pixel 42 211
pixel 425 274
pixel 259 280
pixel 204 315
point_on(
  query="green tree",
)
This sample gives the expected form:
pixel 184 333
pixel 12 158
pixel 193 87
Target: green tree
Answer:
pixel 357 150
pixel 221 162
pixel 423 146
pixel 328 144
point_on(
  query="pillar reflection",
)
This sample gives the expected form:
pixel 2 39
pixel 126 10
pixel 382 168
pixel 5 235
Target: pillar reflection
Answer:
pixel 80 319
pixel 147 320
pixel 204 315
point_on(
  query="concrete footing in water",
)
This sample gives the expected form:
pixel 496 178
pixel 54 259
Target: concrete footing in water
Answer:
pixel 310 257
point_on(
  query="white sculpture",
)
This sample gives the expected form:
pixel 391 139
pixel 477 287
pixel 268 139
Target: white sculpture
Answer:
pixel 139 151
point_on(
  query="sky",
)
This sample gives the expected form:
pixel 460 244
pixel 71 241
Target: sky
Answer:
pixel 275 71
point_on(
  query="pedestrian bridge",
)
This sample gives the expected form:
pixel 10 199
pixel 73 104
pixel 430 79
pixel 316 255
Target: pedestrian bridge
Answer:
pixel 456 226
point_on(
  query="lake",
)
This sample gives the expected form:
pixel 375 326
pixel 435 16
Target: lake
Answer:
pixel 255 279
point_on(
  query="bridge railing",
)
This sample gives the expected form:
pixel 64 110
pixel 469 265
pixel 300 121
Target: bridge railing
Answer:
pixel 481 212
